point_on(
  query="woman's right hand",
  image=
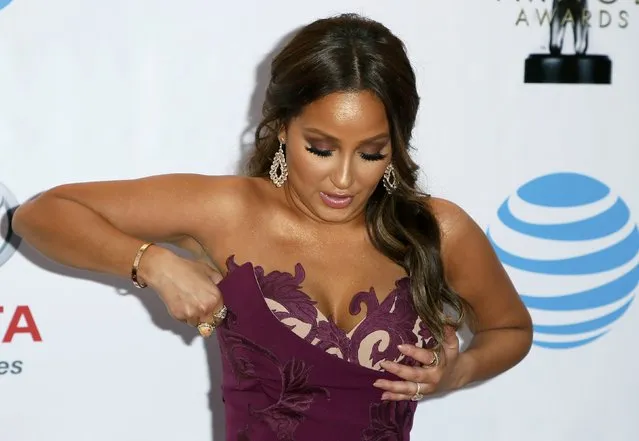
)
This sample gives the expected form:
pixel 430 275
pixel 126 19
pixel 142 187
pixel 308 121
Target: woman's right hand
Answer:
pixel 188 288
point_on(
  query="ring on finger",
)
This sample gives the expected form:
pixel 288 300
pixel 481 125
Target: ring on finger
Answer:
pixel 217 317
pixel 418 394
pixel 221 314
pixel 434 361
pixel 206 329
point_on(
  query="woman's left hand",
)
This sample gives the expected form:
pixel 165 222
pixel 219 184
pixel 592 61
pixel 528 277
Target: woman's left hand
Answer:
pixel 437 372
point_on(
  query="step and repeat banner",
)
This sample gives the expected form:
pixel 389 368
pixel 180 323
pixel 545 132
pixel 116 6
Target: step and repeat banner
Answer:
pixel 528 121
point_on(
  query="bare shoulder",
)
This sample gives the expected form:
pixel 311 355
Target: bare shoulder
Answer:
pixel 221 200
pixel 464 245
pixel 225 192
pixel 474 271
pixel 453 220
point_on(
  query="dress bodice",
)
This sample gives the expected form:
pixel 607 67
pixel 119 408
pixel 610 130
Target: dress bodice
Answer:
pixel 289 373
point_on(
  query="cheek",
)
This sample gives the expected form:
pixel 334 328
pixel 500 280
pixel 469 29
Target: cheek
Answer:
pixel 369 174
pixel 307 168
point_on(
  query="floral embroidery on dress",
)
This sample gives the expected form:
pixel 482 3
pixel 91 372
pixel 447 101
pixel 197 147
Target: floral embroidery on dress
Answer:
pixel 395 316
pixel 296 395
pixel 296 398
pixel 387 324
pixel 389 421
pixel 249 362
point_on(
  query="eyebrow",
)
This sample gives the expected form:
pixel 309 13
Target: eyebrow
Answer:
pixel 332 138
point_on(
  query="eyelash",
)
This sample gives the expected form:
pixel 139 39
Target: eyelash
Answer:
pixel 326 153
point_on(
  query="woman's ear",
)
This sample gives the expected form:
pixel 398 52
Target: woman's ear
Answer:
pixel 281 134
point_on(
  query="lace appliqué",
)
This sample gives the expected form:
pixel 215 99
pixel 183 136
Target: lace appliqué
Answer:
pixel 296 396
pixel 388 324
pixel 389 421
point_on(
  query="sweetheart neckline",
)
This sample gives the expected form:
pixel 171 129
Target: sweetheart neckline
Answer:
pixel 230 262
pixel 370 373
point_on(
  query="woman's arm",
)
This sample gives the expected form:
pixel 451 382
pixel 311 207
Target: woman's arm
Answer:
pixel 99 226
pixel 502 326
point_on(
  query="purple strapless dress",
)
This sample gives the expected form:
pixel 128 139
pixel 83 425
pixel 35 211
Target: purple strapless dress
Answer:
pixel 289 373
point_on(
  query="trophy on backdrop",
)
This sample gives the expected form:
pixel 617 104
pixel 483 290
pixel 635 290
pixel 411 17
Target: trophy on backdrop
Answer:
pixel 577 68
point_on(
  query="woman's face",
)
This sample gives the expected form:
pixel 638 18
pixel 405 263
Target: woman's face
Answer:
pixel 337 150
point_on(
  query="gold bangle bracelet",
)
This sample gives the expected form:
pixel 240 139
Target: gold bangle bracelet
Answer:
pixel 136 264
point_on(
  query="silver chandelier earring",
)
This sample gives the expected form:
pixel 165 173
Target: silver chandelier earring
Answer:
pixel 279 170
pixel 390 179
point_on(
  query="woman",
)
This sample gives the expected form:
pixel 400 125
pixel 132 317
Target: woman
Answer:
pixel 334 285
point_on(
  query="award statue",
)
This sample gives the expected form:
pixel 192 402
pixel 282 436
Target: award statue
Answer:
pixel 579 68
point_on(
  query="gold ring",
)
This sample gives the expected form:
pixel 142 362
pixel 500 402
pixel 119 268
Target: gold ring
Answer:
pixel 206 329
pixel 221 314
pixel 435 361
pixel 418 395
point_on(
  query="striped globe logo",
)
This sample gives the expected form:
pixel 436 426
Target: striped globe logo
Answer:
pixel 4 3
pixel 571 248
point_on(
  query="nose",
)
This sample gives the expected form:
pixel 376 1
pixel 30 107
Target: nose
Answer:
pixel 343 174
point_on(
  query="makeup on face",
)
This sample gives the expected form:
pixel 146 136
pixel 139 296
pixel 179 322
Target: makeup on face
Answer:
pixel 322 144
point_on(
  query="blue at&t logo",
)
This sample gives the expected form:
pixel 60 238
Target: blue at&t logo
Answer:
pixel 4 3
pixel 572 250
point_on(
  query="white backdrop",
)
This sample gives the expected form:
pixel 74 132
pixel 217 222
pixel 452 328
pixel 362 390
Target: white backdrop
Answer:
pixel 121 89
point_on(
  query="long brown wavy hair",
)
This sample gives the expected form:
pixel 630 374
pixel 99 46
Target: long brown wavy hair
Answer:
pixel 352 53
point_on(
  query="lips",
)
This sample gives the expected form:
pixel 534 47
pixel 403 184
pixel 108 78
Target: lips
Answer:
pixel 336 200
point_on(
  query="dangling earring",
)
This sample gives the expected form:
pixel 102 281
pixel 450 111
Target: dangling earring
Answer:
pixel 390 179
pixel 278 177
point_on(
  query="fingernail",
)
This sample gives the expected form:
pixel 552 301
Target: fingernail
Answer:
pixel 384 396
pixel 402 347
pixel 377 383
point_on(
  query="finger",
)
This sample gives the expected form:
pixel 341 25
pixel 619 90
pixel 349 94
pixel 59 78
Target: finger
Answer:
pixel 192 321
pixel 192 314
pixel 425 356
pixel 217 313
pixel 208 303
pixel 213 274
pixel 451 341
pixel 211 320
pixel 398 387
pixel 450 345
pixel 195 318
pixel 181 313
pixel 401 390
pixel 406 372
pixel 389 396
